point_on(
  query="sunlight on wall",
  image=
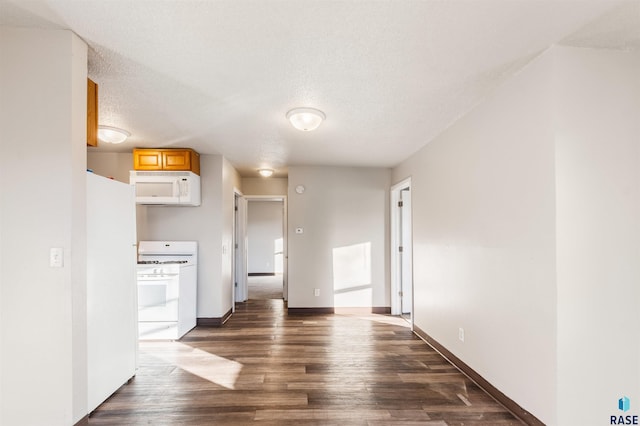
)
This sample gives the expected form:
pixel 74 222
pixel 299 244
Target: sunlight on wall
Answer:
pixel 213 368
pixel 278 256
pixel 352 276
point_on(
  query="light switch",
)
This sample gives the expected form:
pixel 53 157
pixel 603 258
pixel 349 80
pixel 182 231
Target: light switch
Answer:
pixel 299 230
pixel 56 257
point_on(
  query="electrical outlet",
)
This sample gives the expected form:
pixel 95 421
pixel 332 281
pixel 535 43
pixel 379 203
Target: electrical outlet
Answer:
pixel 316 292
pixel 461 334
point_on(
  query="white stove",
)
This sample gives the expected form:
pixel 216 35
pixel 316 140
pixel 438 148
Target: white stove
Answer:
pixel 167 286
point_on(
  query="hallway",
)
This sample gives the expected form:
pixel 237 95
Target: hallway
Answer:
pixel 267 367
pixel 265 287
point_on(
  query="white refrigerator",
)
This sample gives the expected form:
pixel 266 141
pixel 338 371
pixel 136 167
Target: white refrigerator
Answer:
pixel 112 332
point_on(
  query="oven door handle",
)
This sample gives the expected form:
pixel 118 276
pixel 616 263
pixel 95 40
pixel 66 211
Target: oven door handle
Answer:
pixel 156 278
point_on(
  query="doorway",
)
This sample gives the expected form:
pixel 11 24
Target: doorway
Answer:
pixel 402 251
pixel 265 249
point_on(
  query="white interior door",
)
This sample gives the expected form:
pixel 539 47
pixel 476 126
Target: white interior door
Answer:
pixel 240 244
pixel 406 266
pixel 285 264
pixel 402 250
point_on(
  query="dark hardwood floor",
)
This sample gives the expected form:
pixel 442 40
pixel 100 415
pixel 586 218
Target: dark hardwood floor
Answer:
pixel 267 367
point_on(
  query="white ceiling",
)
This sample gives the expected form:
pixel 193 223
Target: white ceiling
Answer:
pixel 219 75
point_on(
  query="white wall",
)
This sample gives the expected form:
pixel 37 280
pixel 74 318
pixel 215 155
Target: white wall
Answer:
pixel 526 233
pixel 484 243
pixel 264 186
pixel 343 251
pixel 110 164
pixel 43 374
pixel 598 240
pixel 211 224
pixel 264 228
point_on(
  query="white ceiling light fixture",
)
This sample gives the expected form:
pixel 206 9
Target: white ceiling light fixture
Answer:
pixel 110 134
pixel 265 172
pixel 306 119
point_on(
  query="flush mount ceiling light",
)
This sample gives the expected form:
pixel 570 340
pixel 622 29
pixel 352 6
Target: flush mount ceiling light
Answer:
pixel 110 134
pixel 265 172
pixel 306 119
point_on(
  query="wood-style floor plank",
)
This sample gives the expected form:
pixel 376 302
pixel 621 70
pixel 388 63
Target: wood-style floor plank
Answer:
pixel 266 367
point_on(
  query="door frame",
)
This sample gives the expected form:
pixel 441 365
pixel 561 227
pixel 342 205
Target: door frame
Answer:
pixel 285 239
pixel 396 238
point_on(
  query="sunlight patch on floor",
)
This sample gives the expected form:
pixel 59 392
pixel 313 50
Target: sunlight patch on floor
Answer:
pixel 214 368
pixel 381 319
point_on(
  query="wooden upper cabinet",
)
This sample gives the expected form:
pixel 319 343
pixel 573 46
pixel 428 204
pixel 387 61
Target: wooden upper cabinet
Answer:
pixel 92 113
pixel 178 159
pixel 147 159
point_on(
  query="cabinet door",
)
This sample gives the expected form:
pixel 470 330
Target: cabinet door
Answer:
pixel 176 160
pixel 147 159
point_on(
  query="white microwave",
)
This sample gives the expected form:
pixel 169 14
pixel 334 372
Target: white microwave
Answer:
pixel 166 188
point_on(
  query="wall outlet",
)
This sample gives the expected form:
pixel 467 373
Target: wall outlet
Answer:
pixel 461 334
pixel 316 292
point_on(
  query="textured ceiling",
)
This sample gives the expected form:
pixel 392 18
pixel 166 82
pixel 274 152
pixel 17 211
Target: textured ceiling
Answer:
pixel 219 76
